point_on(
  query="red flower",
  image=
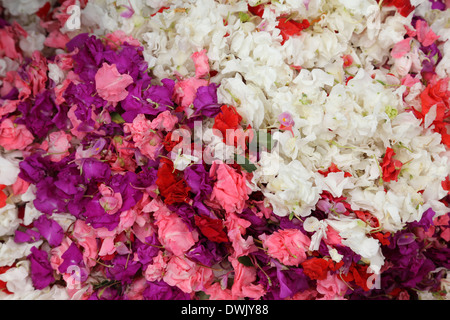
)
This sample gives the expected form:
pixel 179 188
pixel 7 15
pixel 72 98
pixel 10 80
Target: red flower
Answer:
pixel 171 186
pixel 169 144
pixel 390 167
pixel 445 185
pixel 358 274
pixel 227 119
pixel 404 7
pixel 257 10
pixel 368 218
pixel 289 28
pixel 315 268
pixel 382 237
pixel 3 196
pixel 436 94
pixel 333 168
pixel 212 229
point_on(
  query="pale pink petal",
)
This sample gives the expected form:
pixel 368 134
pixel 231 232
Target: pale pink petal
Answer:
pixel 401 48
pixel 110 84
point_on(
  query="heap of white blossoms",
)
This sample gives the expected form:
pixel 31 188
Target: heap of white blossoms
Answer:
pixel 336 120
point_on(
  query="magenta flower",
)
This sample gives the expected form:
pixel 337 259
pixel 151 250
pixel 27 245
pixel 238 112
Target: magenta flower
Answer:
pixel 41 270
pixel 285 119
pixel 331 207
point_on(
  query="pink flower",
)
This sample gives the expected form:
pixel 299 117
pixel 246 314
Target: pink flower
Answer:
pixel 14 136
pixel 85 236
pixel 57 145
pixel 230 189
pixel 236 229
pixel 145 138
pixel 425 34
pixel 332 237
pixel 187 275
pixel 20 186
pixel 243 286
pixel 57 252
pixel 331 287
pixel 164 121
pixel 155 271
pixel 136 288
pixel 201 63
pixel 8 44
pixel 289 246
pixel 173 233
pixel 216 292
pixel 107 247
pixel 110 201
pixel 401 48
pixel 118 37
pixel 8 106
pixel 13 80
pixel 185 91
pixel 110 84
pixel 56 39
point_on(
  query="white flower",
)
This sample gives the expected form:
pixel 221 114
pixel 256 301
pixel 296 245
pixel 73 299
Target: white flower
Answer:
pixel 292 190
pixel 250 99
pixel 354 236
pixel 55 73
pixel 312 224
pixel 34 41
pixel 9 167
pixel 334 182
pixel 17 279
pixel 10 251
pixel 23 7
pixel 181 160
pixel 9 220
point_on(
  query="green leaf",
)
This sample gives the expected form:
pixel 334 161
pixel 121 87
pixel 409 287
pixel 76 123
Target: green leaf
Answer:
pixel 117 118
pixel 246 261
pixel 244 163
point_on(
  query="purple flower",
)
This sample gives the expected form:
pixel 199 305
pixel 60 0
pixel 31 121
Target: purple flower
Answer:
pixel 124 268
pixel 406 238
pixel 425 222
pixel 147 99
pixel 160 290
pixel 41 270
pixel 106 293
pixel 198 180
pixel 29 235
pixel 34 167
pixel 38 115
pixel 94 169
pixel 146 251
pixel 96 215
pixel 326 206
pixel 205 102
pixel 438 5
pixel 73 257
pixel 48 198
pixel 129 13
pixel 291 280
pixel 206 252
pixel 50 230
pixel 77 41
pixel 286 119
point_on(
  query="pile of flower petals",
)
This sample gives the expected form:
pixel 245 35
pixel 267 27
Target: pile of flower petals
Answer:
pixel 99 198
